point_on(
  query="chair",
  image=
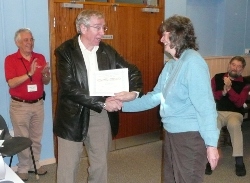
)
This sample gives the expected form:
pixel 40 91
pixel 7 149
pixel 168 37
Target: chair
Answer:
pixel 247 102
pixel 224 139
pixel 13 145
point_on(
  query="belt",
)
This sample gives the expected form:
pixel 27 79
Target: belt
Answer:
pixel 26 101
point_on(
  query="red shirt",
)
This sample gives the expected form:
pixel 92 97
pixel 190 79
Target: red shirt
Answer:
pixel 237 99
pixel 16 65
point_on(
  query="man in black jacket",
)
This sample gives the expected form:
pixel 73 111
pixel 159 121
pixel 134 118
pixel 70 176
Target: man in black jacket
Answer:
pixel 230 92
pixel 81 118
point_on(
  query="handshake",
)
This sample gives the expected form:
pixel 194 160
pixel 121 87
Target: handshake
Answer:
pixel 114 103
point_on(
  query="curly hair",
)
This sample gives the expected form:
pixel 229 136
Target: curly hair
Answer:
pixel 182 35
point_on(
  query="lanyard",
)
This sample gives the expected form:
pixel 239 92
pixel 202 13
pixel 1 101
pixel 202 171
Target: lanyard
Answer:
pixel 27 72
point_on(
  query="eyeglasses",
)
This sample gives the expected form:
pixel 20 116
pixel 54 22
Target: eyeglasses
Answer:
pixel 28 40
pixel 98 28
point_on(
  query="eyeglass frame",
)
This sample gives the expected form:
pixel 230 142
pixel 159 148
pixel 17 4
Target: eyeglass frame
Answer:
pixel 27 40
pixel 98 28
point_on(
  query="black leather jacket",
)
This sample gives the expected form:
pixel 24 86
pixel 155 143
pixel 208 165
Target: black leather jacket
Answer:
pixel 74 103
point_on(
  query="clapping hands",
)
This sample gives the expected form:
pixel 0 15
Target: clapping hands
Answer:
pixel 227 85
pixel 227 82
pixel 46 69
pixel 33 67
pixel 46 74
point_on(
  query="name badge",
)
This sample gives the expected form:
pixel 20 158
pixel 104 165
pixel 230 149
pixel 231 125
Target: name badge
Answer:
pixel 32 88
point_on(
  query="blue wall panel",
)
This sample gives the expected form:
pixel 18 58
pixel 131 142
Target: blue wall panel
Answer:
pixel 15 14
pixel 198 11
pixel 234 27
pixel 247 31
pixel 222 26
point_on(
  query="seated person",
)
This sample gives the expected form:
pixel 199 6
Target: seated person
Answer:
pixel 230 92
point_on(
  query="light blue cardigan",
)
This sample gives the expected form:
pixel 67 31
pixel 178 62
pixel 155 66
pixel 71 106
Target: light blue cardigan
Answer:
pixel 185 96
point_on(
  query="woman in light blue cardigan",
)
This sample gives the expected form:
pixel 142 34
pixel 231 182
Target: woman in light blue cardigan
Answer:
pixel 187 106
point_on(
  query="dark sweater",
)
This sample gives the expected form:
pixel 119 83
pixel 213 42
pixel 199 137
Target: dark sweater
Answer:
pixel 225 104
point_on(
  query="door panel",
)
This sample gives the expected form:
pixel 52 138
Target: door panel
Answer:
pixel 135 37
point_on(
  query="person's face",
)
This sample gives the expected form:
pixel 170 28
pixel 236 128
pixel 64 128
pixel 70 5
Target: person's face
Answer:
pixel 166 42
pixel 235 68
pixel 25 43
pixel 92 34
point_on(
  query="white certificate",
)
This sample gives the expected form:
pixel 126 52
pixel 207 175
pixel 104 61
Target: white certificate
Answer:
pixel 108 82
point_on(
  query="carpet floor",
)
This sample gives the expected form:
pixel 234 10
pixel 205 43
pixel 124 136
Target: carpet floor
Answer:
pixel 142 164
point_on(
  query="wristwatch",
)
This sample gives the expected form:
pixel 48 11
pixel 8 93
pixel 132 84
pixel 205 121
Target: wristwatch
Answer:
pixel 104 105
pixel 29 75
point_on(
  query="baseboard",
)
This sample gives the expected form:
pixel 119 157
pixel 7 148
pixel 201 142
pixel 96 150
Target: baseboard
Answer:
pixel 48 161
pixel 42 162
pixel 135 140
pixel 131 141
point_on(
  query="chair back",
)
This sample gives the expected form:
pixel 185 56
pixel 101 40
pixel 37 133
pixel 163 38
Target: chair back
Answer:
pixel 3 126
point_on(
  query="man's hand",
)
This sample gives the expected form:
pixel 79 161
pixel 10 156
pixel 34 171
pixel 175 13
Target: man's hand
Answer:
pixel 224 92
pixel 46 69
pixel 212 156
pixel 46 74
pixel 33 67
pixel 125 96
pixel 228 83
pixel 112 104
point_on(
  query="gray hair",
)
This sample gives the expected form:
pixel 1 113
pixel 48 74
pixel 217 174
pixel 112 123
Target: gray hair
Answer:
pixel 239 58
pixel 84 18
pixel 19 31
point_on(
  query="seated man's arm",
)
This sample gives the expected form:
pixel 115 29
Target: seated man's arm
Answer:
pixel 217 94
pixel 239 99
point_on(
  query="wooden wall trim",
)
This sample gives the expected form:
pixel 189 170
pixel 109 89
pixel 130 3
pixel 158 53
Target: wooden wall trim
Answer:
pixel 220 64
pixel 160 5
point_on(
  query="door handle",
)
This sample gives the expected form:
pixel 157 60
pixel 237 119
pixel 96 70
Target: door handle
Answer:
pixel 114 6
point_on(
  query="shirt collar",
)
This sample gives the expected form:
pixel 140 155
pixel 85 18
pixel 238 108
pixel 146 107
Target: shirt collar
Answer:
pixel 84 48
pixel 19 55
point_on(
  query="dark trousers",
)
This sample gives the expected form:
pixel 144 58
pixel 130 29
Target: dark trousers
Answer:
pixel 184 158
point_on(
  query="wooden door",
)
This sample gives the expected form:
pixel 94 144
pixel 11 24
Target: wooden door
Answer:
pixel 135 37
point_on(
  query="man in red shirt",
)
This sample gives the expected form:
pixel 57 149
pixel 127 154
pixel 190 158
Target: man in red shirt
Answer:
pixel 26 72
